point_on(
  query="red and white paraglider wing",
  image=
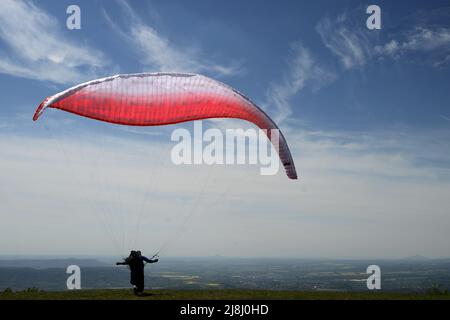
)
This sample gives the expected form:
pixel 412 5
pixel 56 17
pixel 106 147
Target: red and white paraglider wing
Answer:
pixel 154 99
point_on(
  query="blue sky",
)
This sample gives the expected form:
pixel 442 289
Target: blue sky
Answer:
pixel 255 43
pixel 366 113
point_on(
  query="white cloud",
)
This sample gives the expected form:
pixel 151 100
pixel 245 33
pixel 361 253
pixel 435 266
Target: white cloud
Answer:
pixel 389 154
pixel 36 49
pixel 424 39
pixel 302 71
pixel 420 40
pixel 158 53
pixel 355 46
pixel 359 195
pixel 347 42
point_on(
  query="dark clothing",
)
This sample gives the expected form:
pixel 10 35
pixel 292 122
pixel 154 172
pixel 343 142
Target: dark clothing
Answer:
pixel 136 264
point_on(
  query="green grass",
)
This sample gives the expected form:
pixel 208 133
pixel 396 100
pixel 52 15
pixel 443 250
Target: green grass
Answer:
pixel 236 294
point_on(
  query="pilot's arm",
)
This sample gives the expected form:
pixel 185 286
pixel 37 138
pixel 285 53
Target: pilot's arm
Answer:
pixel 149 260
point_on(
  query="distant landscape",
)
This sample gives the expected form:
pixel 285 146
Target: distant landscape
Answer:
pixel 411 275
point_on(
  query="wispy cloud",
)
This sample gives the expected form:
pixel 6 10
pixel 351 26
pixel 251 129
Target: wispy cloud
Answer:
pixel 35 48
pixel 158 53
pixel 302 70
pixel 418 42
pixel 347 41
pixel 390 154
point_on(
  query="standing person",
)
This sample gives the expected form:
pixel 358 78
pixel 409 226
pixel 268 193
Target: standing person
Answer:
pixel 135 262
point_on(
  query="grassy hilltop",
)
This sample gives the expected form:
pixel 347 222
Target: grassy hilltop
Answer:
pixel 123 294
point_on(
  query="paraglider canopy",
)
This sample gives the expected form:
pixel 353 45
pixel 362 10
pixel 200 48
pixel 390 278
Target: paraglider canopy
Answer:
pixel 154 99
